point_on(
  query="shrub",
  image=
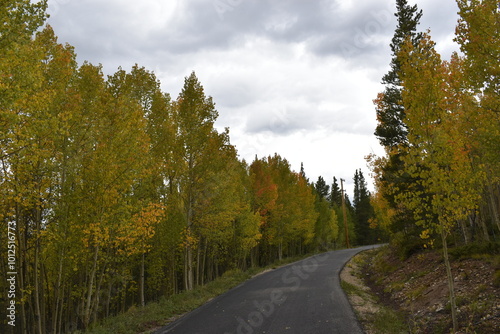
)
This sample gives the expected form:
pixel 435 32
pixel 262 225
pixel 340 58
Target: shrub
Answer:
pixel 406 245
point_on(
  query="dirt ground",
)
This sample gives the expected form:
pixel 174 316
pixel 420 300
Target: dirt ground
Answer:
pixel 363 301
pixel 418 288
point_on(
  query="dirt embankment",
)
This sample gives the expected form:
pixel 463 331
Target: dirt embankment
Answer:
pixel 417 290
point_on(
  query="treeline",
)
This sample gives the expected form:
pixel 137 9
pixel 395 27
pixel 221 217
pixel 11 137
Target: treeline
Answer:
pixel 439 121
pixel 114 194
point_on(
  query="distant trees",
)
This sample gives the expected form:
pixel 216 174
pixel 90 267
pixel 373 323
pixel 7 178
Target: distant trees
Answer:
pixel 363 210
pixel 285 202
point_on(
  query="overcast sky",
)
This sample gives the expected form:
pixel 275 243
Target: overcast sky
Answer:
pixel 293 77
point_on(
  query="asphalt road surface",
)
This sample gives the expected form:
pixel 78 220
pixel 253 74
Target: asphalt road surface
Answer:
pixel 299 298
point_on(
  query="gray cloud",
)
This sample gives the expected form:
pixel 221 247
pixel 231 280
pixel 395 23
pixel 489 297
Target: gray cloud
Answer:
pixel 294 73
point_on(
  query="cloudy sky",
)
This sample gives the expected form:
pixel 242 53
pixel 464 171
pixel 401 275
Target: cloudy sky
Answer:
pixel 293 77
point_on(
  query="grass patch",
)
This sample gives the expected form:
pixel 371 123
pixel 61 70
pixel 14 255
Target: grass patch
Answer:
pixel 394 287
pixel 475 250
pixel 388 321
pixel 414 294
pixel 351 289
pixel 496 279
pixel 380 264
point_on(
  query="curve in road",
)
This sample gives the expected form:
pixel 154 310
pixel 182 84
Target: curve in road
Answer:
pixel 302 297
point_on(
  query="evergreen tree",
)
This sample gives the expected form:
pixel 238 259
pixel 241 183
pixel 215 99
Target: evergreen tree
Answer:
pixel 322 188
pixel 335 197
pixel 303 173
pixel 391 130
pixel 362 209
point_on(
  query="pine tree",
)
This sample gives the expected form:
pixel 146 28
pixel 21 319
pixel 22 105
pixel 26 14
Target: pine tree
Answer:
pixel 391 130
pixel 335 197
pixel 363 210
pixel 303 173
pixel 322 188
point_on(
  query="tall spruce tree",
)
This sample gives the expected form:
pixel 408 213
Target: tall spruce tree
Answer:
pixel 362 209
pixel 322 188
pixel 335 197
pixel 303 173
pixel 391 130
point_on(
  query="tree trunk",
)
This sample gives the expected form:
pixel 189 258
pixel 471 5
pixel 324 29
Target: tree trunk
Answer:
pixel 188 268
pixel 108 301
pixel 492 206
pixel 38 312
pixel 198 269
pixel 87 312
pixel 280 250
pixel 175 287
pixel 451 285
pixel 97 298
pixel 142 281
pixel 189 250
pixel 58 300
pixel 21 241
pixel 61 312
pixel 486 235
pixel 204 263
pixel 464 230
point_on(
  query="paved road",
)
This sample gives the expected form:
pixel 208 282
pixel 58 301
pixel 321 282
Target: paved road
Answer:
pixel 299 298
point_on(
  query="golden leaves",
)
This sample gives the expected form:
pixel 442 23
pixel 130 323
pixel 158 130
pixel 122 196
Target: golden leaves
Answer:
pixel 133 235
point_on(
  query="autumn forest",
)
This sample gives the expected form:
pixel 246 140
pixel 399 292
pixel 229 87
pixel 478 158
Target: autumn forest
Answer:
pixel 115 194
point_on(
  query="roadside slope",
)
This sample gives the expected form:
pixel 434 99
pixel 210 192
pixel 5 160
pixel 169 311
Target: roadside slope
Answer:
pixel 417 288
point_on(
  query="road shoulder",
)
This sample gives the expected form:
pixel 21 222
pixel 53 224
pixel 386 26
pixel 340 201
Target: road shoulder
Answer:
pixel 372 315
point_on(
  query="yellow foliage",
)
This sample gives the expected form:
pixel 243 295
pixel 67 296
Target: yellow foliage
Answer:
pixel 425 234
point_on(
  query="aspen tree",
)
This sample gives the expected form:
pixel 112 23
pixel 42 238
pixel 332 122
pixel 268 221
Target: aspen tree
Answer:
pixel 437 154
